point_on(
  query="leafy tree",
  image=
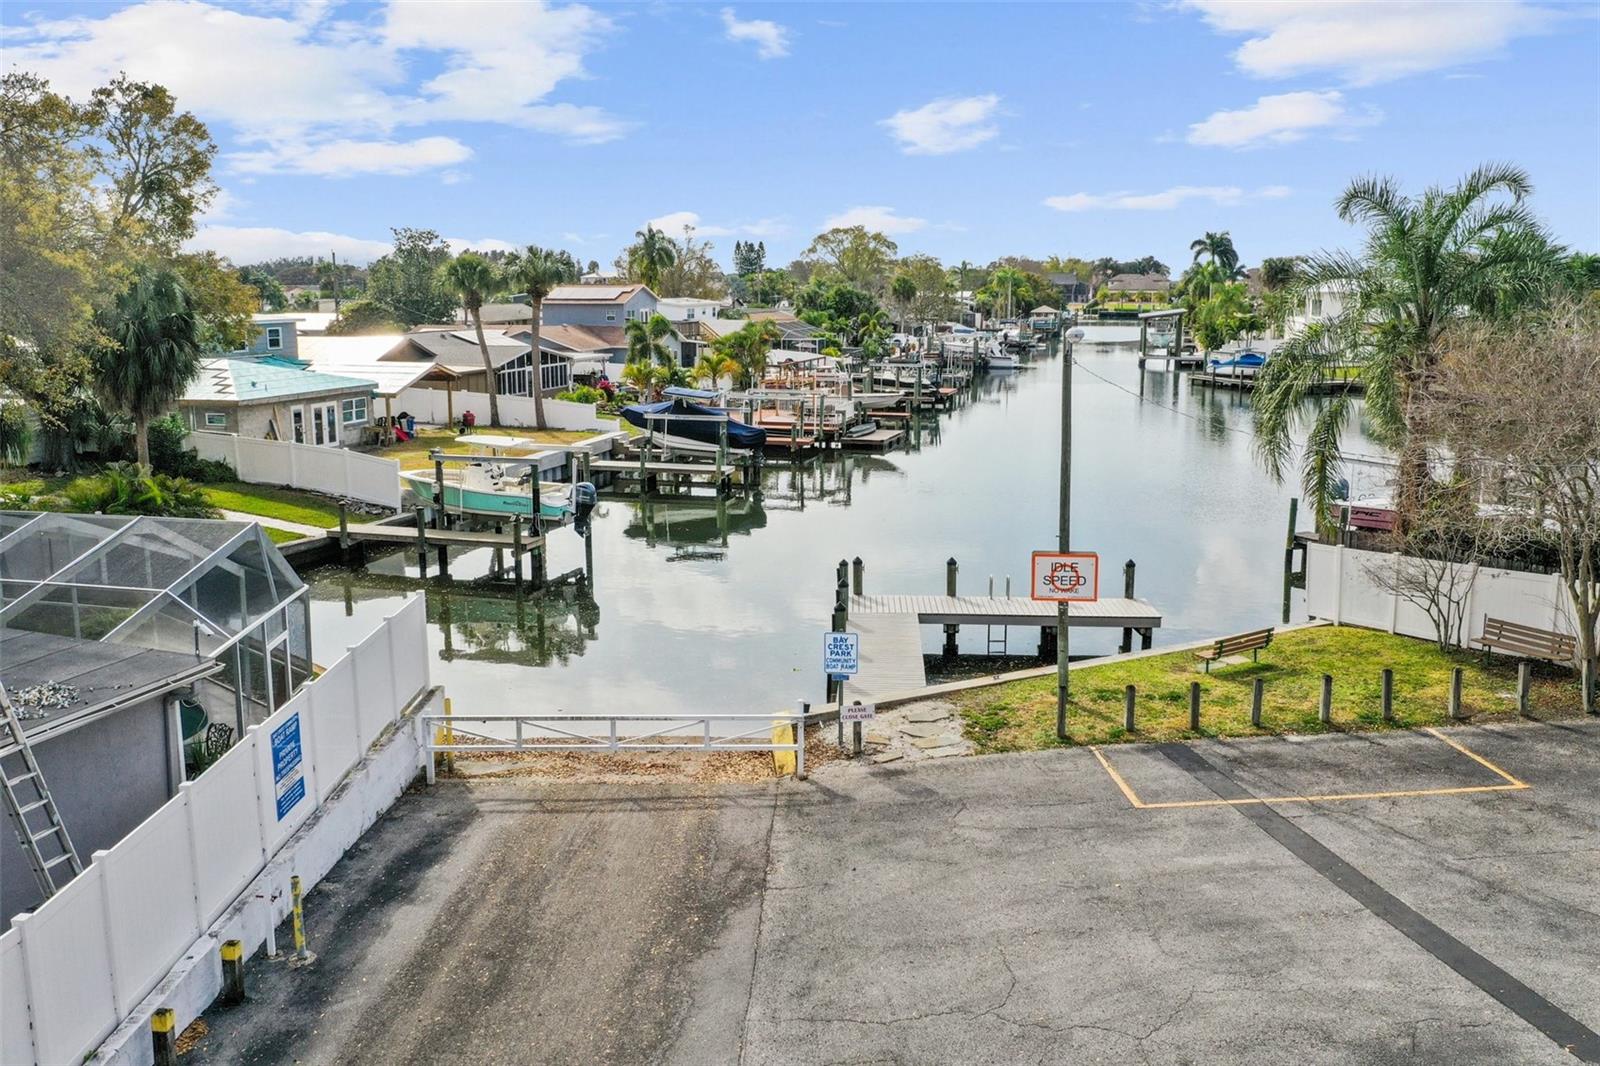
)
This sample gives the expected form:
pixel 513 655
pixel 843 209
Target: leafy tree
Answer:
pixel 903 290
pixel 854 255
pixel 692 271
pixel 769 287
pixel 1224 316
pixel 537 271
pixel 1475 247
pixel 1217 248
pixel 647 340
pixel 154 352
pixel 748 348
pixel 269 290
pixel 871 330
pixel 650 255
pixel 222 303
pixel 363 318
pixel 1582 272
pixel 406 283
pixel 469 278
pixel 156 159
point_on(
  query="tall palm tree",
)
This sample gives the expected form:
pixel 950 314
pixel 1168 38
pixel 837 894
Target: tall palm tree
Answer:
pixel 904 290
pixel 154 352
pixel 712 367
pixel 536 272
pixel 647 340
pixel 652 255
pixel 469 277
pixel 1475 248
pixel 1278 272
pixel 1218 248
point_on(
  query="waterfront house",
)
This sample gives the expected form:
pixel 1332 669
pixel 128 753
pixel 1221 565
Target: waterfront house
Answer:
pixel 456 363
pixel 134 648
pixel 1320 303
pixel 500 316
pixel 1138 288
pixel 591 351
pixel 274 397
pixel 676 309
pixel 598 305
pixel 1073 289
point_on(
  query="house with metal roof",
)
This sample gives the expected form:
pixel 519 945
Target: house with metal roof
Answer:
pixel 455 362
pixel 278 398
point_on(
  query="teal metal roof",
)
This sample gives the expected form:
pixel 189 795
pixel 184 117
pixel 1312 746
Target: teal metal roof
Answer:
pixel 242 380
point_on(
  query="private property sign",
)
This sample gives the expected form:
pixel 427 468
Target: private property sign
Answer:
pixel 288 779
pixel 1066 577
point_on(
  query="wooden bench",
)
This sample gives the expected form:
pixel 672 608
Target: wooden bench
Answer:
pixel 1528 642
pixel 1251 642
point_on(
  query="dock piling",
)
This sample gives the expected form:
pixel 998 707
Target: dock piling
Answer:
pixel 951 631
pixel 422 542
pixel 516 550
pixel 856 574
pixel 1128 569
pixel 1288 556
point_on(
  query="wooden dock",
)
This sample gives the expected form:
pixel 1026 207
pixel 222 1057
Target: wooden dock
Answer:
pixel 879 440
pixel 1243 383
pixel 455 538
pixel 891 630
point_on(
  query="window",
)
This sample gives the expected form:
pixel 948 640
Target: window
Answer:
pixel 274 338
pixel 216 420
pixel 611 316
pixel 353 410
pixel 515 378
pixel 1316 307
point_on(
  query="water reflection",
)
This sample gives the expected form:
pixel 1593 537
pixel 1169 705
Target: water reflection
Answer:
pixel 718 605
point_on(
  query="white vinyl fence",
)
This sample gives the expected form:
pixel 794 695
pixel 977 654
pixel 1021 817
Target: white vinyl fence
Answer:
pixel 72 970
pixel 1341 586
pixel 335 471
pixel 436 407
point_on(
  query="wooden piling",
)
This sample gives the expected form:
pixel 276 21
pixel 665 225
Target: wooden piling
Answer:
pixel 516 550
pixel 422 542
pixel 1127 591
pixel 856 573
pixel 1388 694
pixel 1129 695
pixel 1257 693
pixel 1524 683
pixel 1455 693
pixel 1325 711
pixel 1194 706
pixel 951 631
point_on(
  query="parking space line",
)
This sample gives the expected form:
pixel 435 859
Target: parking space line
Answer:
pixel 1512 784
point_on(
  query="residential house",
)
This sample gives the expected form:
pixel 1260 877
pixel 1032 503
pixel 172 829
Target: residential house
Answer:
pixel 689 308
pixel 277 333
pixel 204 631
pixel 275 398
pixel 1073 289
pixel 1146 288
pixel 591 351
pixel 456 362
pixel 602 309
pixel 1321 303
pixel 499 316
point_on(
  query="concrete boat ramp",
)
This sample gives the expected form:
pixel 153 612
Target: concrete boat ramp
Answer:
pixel 891 630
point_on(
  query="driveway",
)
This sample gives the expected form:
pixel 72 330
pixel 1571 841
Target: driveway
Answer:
pixel 1140 904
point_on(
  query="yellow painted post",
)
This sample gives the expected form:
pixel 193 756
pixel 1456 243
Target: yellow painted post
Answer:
pixel 232 973
pixel 164 1036
pixel 299 925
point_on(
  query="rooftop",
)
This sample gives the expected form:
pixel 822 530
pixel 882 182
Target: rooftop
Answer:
pixel 242 379
pixel 456 349
pixel 593 294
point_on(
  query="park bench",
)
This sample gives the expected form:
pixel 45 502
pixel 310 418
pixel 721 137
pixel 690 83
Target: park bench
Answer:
pixel 1251 642
pixel 1529 642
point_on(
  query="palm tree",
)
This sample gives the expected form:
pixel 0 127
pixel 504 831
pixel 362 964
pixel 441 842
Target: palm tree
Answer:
pixel 652 255
pixel 469 277
pixel 1218 248
pixel 712 367
pixel 903 290
pixel 1278 272
pixel 646 377
pixel 871 327
pixel 1428 260
pixel 647 340
pixel 154 352
pixel 537 271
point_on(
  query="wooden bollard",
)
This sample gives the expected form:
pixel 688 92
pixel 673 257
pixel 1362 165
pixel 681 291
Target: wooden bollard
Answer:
pixel 1257 691
pixel 1388 694
pixel 1129 695
pixel 857 572
pixel 951 631
pixel 1128 569
pixel 1524 684
pixel 1455 693
pixel 232 973
pixel 1325 712
pixel 1586 680
pixel 164 1036
pixel 1194 706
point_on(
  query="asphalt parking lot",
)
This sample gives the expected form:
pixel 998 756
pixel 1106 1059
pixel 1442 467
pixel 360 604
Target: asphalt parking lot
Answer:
pixel 1361 898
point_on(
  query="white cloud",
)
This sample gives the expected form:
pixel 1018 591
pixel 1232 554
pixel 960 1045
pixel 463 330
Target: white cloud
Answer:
pixel 949 124
pixel 673 223
pixel 1166 200
pixel 252 244
pixel 882 219
pixel 341 159
pixel 771 40
pixel 293 79
pixel 1368 42
pixel 1279 120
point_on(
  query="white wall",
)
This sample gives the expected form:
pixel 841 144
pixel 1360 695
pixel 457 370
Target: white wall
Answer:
pixel 434 407
pixel 335 471
pixel 1340 586
pixel 84 960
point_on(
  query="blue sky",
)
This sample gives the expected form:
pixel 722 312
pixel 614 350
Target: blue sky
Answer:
pixel 967 131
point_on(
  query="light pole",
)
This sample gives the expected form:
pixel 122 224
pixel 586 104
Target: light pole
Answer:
pixel 1064 533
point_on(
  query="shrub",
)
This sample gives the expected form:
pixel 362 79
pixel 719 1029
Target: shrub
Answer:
pixel 126 488
pixel 169 456
pixel 16 434
pixel 583 394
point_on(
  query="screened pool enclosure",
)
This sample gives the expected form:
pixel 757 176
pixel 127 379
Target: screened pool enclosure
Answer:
pixel 213 589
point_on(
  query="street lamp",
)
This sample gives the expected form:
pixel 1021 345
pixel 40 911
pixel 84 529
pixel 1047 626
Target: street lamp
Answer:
pixel 1064 533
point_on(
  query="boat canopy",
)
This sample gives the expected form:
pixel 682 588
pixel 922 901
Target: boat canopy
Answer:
pixel 692 422
pixel 691 394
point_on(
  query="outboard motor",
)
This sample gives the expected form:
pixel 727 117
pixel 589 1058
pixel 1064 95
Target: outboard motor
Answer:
pixel 584 498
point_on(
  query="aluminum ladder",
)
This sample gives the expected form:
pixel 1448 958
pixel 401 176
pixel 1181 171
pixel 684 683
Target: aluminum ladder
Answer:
pixel 43 836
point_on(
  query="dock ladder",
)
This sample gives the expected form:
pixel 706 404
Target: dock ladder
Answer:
pixel 43 836
pixel 997 646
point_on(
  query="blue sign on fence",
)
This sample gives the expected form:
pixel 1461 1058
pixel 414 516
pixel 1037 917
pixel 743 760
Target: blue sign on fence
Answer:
pixel 287 776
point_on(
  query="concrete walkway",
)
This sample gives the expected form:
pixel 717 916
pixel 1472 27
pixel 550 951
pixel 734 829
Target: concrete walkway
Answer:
pixel 998 909
pixel 277 523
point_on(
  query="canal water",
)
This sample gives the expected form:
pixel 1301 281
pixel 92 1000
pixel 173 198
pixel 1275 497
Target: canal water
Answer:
pixel 698 609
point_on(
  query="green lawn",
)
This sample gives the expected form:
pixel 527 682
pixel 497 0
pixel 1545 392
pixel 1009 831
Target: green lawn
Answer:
pixel 270 502
pixel 1020 716
pixel 281 536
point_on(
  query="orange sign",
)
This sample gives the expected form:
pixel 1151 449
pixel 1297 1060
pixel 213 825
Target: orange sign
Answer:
pixel 1066 577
